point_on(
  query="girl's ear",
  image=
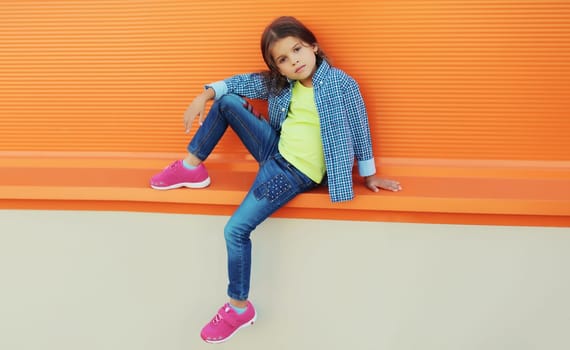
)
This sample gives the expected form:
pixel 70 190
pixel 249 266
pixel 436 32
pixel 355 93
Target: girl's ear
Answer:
pixel 315 48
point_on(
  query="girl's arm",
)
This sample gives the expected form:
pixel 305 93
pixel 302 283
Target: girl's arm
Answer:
pixel 197 107
pixel 362 141
pixel 359 127
pixel 251 85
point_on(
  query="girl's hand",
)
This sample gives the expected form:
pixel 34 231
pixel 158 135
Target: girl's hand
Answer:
pixel 197 107
pixel 376 184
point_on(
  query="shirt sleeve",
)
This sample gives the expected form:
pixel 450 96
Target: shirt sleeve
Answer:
pixel 220 88
pixel 251 85
pixel 366 167
pixel 360 129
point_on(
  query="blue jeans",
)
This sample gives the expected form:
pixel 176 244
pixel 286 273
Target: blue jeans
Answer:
pixel 276 183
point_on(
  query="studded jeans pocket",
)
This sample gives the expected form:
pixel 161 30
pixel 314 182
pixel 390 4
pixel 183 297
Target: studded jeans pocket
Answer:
pixel 273 188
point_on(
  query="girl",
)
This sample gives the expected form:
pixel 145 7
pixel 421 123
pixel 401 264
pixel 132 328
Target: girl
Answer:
pixel 317 126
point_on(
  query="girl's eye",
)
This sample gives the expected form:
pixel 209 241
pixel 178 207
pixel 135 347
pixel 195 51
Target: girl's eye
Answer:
pixel 281 60
pixel 297 49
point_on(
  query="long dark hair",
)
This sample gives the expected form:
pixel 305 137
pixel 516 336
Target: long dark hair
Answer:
pixel 280 28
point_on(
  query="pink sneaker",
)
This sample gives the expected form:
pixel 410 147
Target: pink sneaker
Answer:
pixel 226 323
pixel 176 175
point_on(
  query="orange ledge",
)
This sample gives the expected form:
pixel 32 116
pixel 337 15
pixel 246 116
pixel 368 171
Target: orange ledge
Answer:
pixel 435 191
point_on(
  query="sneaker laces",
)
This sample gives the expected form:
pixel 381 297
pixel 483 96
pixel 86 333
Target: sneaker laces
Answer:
pixel 172 165
pixel 219 316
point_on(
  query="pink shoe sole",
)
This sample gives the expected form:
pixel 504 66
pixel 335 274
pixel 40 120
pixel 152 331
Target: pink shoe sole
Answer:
pixel 201 184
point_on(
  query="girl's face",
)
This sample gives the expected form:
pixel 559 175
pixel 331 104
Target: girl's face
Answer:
pixel 295 59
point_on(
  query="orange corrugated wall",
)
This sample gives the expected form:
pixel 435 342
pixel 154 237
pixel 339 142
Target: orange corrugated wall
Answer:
pixel 478 79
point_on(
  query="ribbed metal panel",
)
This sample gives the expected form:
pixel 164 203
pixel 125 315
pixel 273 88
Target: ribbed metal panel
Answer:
pixel 442 79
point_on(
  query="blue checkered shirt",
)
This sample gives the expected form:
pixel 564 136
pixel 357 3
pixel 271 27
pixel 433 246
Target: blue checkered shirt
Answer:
pixel 343 119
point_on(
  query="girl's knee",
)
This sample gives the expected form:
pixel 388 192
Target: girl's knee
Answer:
pixel 234 233
pixel 227 234
pixel 230 233
pixel 230 100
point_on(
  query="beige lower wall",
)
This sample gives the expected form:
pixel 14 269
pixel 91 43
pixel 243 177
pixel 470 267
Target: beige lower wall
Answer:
pixel 138 281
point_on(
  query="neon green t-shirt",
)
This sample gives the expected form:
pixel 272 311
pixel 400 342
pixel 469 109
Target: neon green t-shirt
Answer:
pixel 301 143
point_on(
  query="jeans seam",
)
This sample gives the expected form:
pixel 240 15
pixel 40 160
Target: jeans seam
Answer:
pixel 295 172
pixel 248 130
pixel 206 137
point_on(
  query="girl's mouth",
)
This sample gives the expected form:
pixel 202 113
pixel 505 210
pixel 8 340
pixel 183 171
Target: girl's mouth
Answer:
pixel 299 69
